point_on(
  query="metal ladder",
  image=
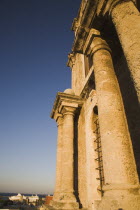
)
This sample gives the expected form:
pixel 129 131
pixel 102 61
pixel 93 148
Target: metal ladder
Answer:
pixel 99 156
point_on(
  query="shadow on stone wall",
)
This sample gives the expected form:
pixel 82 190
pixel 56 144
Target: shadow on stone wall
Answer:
pixel 138 4
pixel 131 104
pixel 76 157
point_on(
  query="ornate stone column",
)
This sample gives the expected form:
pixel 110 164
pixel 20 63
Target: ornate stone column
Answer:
pixel 126 19
pixel 121 180
pixel 59 168
pixel 63 111
pixel 67 196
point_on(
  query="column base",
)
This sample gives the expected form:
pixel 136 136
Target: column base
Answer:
pixel 120 197
pixel 65 201
pixel 57 196
pixel 64 205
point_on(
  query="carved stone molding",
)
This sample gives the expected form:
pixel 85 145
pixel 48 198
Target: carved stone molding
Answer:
pixel 87 46
pixel 65 100
pixel 68 110
pixel 80 38
pixel 75 24
pixel 71 60
pixel 59 120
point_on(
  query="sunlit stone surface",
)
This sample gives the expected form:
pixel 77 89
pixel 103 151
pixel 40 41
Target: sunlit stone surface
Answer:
pixel 98 158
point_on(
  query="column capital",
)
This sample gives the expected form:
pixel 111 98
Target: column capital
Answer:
pixel 99 44
pixel 94 42
pixel 67 110
pixel 106 7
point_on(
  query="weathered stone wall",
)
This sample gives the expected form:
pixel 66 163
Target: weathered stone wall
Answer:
pixel 92 174
pixel 87 180
pixel 78 74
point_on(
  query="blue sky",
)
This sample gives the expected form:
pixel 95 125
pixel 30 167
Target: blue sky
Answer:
pixel 35 38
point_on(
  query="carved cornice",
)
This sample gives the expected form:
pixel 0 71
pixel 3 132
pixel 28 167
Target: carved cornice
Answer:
pixel 89 12
pixel 87 45
pixel 82 23
pixel 65 100
pixel 71 60
pixel 84 45
pixel 84 12
pixel 59 119
pixel 75 24
pixel 57 116
pixel 80 39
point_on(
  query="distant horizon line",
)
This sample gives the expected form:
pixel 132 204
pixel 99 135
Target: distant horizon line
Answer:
pixel 25 193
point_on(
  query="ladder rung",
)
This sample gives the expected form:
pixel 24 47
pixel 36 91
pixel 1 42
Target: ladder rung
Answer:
pixel 97 141
pixel 99 159
pixel 96 129
pixel 101 179
pixel 97 149
pixel 97 124
pixel 100 190
pixel 100 168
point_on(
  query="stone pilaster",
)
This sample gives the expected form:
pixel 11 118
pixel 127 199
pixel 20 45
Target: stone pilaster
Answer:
pixel 121 180
pixel 59 168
